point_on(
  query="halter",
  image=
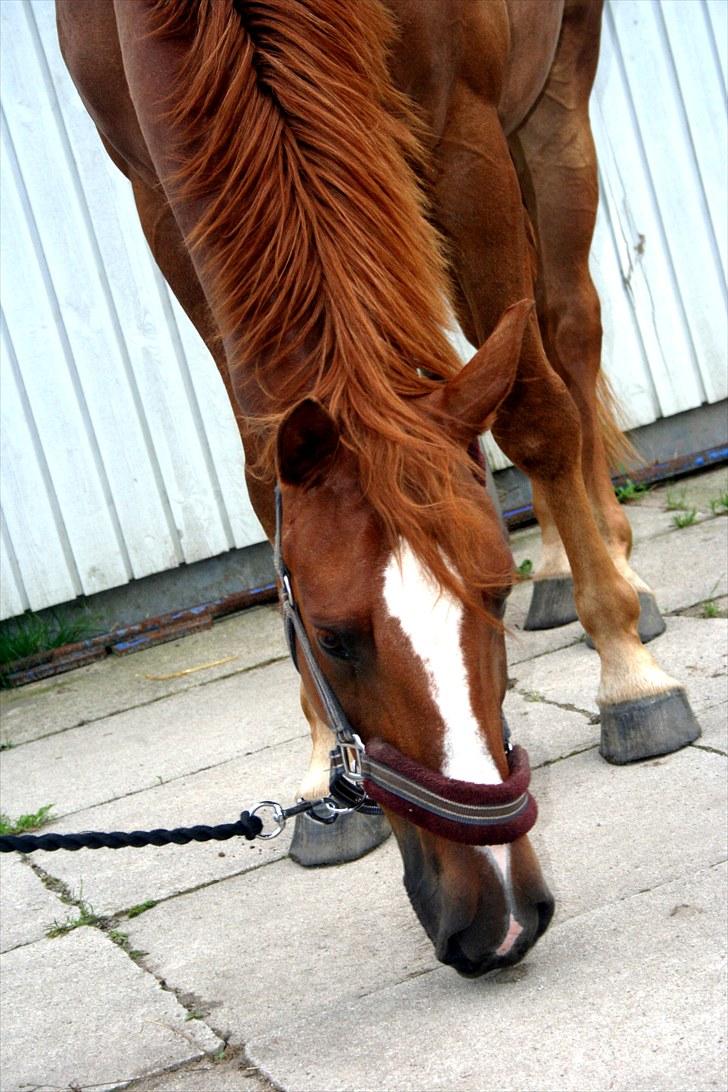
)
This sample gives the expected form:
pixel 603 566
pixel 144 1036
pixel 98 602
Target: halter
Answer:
pixel 362 777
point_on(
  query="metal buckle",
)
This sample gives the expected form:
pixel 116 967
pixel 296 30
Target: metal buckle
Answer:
pixel 351 752
pixel 278 817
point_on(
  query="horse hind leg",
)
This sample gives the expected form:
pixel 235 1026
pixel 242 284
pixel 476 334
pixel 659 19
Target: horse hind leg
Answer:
pixel 352 835
pixel 556 162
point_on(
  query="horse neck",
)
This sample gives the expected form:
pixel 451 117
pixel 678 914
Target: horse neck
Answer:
pixel 296 154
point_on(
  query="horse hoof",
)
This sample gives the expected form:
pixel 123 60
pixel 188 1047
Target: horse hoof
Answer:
pixel 658 725
pixel 651 623
pixel 552 603
pixel 352 836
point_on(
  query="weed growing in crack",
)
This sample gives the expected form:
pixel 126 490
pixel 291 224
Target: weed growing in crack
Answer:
pixel 685 519
pixel 676 502
pixel 719 505
pixel 710 609
pixel 25 823
pixel 629 491
pixel 140 908
pixel 525 569
pixel 86 916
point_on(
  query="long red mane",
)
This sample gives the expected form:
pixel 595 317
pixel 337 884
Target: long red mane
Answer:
pixel 325 276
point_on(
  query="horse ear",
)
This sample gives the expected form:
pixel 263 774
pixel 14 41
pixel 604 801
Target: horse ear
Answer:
pixel 307 441
pixel 472 397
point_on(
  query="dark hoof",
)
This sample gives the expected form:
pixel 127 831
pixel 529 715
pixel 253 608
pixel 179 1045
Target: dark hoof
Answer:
pixel 632 730
pixel 350 837
pixel 651 623
pixel 552 603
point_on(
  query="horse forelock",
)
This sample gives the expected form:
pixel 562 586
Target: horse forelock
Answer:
pixel 323 272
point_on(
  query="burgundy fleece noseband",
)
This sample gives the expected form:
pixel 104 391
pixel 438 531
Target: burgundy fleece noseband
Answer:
pixel 459 810
pixel 362 777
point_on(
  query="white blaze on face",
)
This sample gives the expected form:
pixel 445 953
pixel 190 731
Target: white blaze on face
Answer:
pixel 431 619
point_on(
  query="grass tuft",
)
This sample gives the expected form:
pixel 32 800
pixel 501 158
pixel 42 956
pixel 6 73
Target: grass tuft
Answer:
pixel 140 908
pixel 685 519
pixel 719 505
pixel 525 569
pixel 630 491
pixel 676 502
pixel 24 824
pixel 710 609
pixel 86 916
pixel 31 633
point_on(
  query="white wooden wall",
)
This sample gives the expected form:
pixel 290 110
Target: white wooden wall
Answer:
pixel 119 454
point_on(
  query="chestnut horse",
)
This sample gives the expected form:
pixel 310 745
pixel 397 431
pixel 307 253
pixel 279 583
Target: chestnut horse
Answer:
pixel 300 168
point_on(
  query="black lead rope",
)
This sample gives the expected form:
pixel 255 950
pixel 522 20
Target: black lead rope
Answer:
pixel 248 826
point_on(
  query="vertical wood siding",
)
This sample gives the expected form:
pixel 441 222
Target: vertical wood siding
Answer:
pixel 120 455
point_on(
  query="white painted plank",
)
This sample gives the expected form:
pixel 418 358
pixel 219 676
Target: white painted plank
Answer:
pixel 31 516
pixel 126 317
pixel 35 330
pixel 702 92
pixel 221 431
pixel 663 130
pixel 13 598
pixel 623 356
pixel 716 15
pixel 637 228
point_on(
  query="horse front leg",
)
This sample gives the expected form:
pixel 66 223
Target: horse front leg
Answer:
pixel 351 836
pixel 478 204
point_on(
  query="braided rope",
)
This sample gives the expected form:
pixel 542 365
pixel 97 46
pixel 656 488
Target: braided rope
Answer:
pixel 248 826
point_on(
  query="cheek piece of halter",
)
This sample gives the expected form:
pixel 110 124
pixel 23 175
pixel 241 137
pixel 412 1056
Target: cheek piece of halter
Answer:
pixel 364 776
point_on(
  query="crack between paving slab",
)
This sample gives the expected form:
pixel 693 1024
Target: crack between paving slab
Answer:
pixel 196 1008
pixel 153 701
pixel 710 750
pixel 537 698
pixel 562 758
pixel 207 1065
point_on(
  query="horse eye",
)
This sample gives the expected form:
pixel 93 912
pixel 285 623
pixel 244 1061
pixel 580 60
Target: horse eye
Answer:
pixel 333 645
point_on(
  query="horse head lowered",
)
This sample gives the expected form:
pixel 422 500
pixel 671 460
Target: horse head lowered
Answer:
pixel 418 667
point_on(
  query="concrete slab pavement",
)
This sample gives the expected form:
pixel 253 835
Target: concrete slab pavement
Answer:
pixel 223 968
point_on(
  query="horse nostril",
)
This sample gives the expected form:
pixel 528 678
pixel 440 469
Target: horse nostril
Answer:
pixel 545 911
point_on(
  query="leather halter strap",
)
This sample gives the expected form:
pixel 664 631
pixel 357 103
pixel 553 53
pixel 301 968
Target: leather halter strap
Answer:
pixel 460 811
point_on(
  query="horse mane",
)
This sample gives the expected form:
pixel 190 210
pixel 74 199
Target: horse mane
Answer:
pixel 323 271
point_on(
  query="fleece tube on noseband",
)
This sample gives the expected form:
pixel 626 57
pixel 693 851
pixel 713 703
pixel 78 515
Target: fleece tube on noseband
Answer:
pixel 461 811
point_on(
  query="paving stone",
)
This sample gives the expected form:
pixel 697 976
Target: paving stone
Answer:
pixel 273 945
pixel 547 732
pixel 154 743
pixel 692 650
pixel 28 907
pixel 77 1012
pixel 630 996
pixel 123 682
pixel 116 880
pixel 685 567
pixel 714 722
pixel 696 491
pixel 605 832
